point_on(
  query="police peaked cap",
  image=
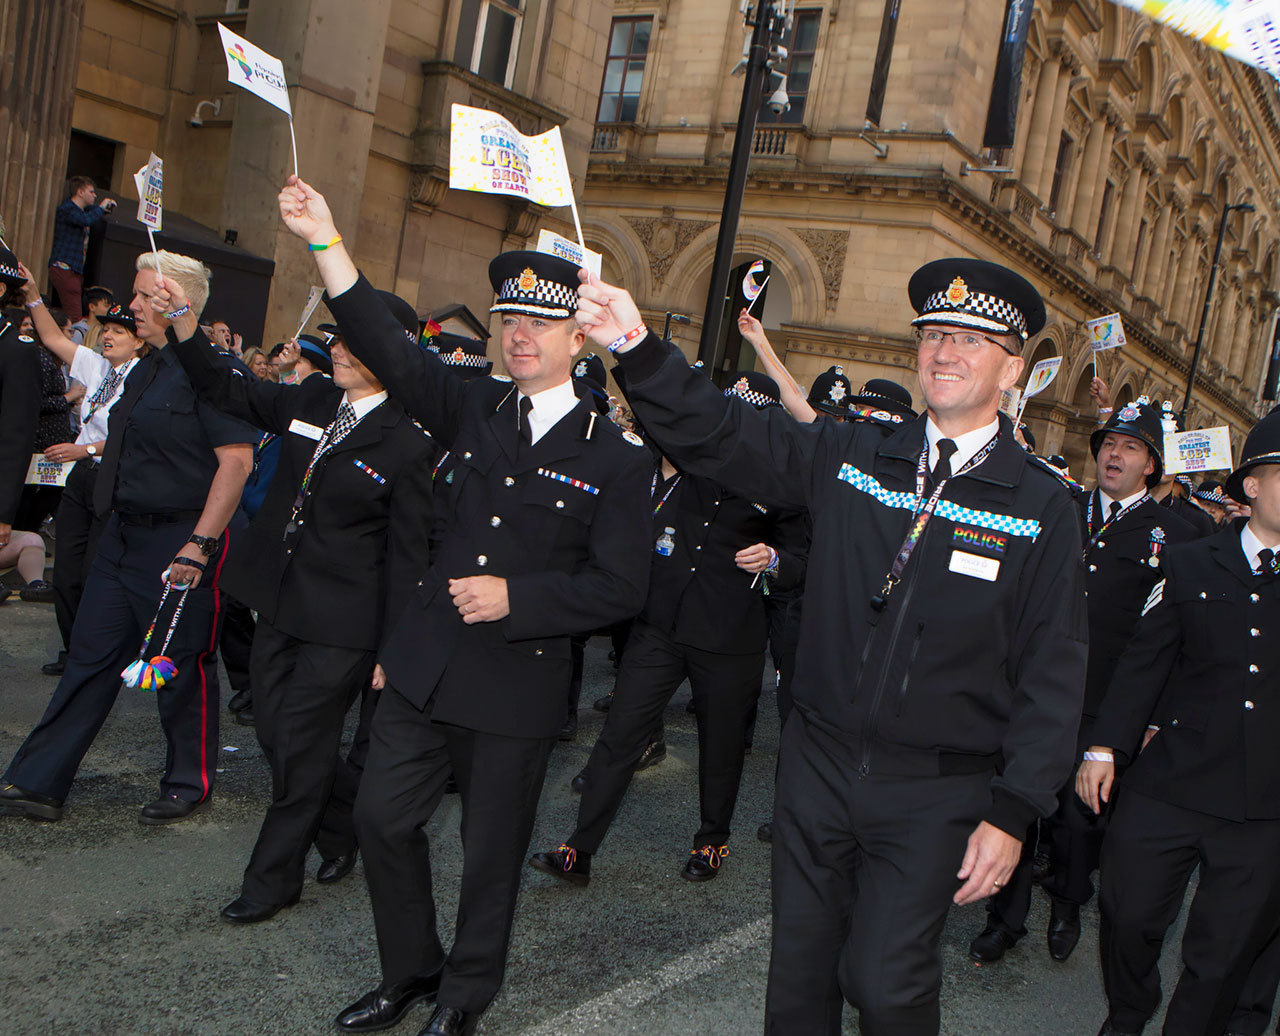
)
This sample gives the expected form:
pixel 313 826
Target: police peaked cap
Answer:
pixel 589 374
pixel 1210 491
pixel 1261 446
pixel 758 389
pixel 468 357
pixel 315 351
pixel 10 275
pixel 976 294
pixel 406 316
pixel 535 284
pixel 1141 421
pixel 117 314
pixel 884 394
pixel 831 392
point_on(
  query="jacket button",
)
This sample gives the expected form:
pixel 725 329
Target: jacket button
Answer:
pixel 508 481
pixel 1252 597
pixel 537 651
pixel 705 524
pixel 1253 669
pixel 693 568
pixel 1101 544
pixel 481 560
pixel 1248 705
pixel 559 505
pixel 1093 568
pixel 1255 633
pixel 467 455
pixel 495 521
pixel 1173 723
pixel 419 582
pixel 698 547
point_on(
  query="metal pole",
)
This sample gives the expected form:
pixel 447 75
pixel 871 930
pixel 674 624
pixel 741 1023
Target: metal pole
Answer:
pixel 1204 312
pixel 747 112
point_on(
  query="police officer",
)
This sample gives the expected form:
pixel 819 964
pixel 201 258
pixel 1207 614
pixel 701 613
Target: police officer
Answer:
pixel 1205 791
pixel 881 399
pixel 171 476
pixel 714 556
pixel 1127 534
pixel 19 402
pixel 332 552
pixel 942 652
pixel 547 536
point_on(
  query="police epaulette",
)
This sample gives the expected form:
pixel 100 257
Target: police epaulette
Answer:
pixel 874 415
pixel 1065 479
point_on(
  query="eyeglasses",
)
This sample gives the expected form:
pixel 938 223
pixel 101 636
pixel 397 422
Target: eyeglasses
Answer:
pixel 966 340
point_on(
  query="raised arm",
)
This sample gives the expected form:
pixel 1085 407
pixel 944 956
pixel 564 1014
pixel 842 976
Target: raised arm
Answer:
pixel 792 397
pixel 46 330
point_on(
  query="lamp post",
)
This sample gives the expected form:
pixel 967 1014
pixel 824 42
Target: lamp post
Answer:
pixel 1208 302
pixel 678 318
pixel 772 18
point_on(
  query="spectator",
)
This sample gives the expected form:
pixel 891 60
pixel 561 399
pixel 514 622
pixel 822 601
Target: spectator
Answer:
pixel 71 225
pixel 255 359
pixel 26 551
pixel 221 336
pixel 98 300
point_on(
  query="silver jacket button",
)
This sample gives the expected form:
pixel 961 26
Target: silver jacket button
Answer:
pixel 482 560
pixel 1248 705
pixel 495 521
pixel 508 481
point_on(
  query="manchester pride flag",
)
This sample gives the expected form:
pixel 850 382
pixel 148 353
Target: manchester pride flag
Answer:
pixel 255 70
pixel 1042 375
pixel 1248 30
pixel 1105 333
pixel 751 288
pixel 150 183
pixel 487 153
pixel 1206 449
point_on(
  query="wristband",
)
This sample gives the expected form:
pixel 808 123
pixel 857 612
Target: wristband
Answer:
pixel 1099 757
pixel 630 336
pixel 181 312
pixel 321 248
pixel 772 567
pixel 34 303
pixel 1105 409
pixel 192 562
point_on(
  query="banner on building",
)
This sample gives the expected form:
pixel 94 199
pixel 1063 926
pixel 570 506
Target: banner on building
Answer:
pixel 1041 377
pixel 487 153
pixel 1002 113
pixel 1105 333
pixel 551 243
pixel 253 69
pixel 150 183
pixel 1206 449
pixel 1248 30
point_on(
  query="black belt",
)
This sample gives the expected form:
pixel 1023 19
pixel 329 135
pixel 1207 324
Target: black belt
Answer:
pixel 159 518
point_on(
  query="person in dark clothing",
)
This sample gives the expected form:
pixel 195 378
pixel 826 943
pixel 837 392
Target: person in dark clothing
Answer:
pixel 54 426
pixel 19 401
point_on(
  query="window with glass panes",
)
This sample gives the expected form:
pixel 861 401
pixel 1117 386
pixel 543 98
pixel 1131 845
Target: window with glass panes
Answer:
pixel 624 69
pixel 801 44
pixel 488 31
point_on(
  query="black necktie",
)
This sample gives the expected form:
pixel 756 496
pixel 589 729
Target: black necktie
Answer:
pixel 1115 510
pixel 942 470
pixel 526 429
pixel 1266 557
pixel 104 488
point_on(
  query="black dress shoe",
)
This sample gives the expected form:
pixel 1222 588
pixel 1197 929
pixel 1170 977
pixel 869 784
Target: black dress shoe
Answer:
pixel 169 809
pixel 37 592
pixel 240 700
pixel 704 862
pixel 991 944
pixel 336 869
pixel 383 1007
pixel 1110 1030
pixel 765 831
pixel 570 729
pixel 18 802
pixel 1064 930
pixel 451 786
pixel 245 716
pixel 579 781
pixel 246 911
pixel 57 667
pixel 566 863
pixel 602 704
pixel 450 1021
pixel 653 755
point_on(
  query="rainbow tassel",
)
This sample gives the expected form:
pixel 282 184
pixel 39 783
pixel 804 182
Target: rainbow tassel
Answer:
pixel 150 676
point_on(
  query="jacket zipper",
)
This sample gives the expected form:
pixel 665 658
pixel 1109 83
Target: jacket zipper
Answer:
pixel 870 731
pixel 906 677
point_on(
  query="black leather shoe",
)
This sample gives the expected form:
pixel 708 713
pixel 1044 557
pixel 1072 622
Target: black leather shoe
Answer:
pixel 245 716
pixel 169 809
pixel 991 944
pixel 765 831
pixel 37 592
pixel 1064 930
pixel 579 781
pixel 653 755
pixel 18 802
pixel 450 1021
pixel 1110 1030
pixel 602 704
pixel 246 911
pixel 336 869
pixel 570 729
pixel 383 1007
pixel 57 667
pixel 451 786
pixel 704 862
pixel 240 700
pixel 566 863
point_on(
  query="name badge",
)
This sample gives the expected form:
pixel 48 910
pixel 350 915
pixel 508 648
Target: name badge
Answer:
pixel 972 565
pixel 309 430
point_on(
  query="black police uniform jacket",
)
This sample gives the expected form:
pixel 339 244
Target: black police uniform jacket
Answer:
pixel 564 521
pixel 349 565
pixel 959 672
pixel 1119 574
pixel 1205 661
pixel 698 595
pixel 19 413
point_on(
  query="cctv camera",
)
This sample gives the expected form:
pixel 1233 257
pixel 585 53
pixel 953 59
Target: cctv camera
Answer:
pixel 779 102
pixel 196 122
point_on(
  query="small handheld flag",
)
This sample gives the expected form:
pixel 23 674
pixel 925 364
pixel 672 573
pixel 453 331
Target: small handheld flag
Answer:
pixel 253 69
pixel 751 288
pixel 149 181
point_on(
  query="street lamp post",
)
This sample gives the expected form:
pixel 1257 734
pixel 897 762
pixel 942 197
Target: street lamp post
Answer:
pixel 769 25
pixel 1208 302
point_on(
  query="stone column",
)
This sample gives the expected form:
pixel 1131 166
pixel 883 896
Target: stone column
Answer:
pixel 1037 147
pixel 1158 255
pixel 37 94
pixel 1054 133
pixel 332 53
pixel 1128 218
pixel 1089 195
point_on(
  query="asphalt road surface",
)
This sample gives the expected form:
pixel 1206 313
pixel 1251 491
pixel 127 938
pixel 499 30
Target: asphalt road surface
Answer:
pixel 111 928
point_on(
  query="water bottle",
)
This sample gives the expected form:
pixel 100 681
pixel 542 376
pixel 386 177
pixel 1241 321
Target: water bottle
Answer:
pixel 666 544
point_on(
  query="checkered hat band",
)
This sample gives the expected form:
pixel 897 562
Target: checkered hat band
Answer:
pixel 1212 496
pixel 11 272
pixel 860 480
pixel 998 314
pixel 452 359
pixel 545 293
pixel 756 399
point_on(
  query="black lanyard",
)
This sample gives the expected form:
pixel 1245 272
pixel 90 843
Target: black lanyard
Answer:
pixel 653 490
pixel 922 516
pixel 1095 536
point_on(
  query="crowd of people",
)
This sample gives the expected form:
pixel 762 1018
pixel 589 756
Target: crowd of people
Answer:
pixel 988 676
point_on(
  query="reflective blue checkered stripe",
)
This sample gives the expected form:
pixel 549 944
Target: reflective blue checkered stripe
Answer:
pixel 946 509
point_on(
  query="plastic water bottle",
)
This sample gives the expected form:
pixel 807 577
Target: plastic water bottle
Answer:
pixel 666 544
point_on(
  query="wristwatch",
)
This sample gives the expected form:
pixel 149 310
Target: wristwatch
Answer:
pixel 91 450
pixel 208 545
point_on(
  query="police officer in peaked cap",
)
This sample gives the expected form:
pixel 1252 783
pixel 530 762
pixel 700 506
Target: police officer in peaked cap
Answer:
pixel 831 392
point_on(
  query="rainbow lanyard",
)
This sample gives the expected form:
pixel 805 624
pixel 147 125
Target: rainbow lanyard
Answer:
pixel 922 516
pixel 653 491
pixel 106 390
pixel 1093 539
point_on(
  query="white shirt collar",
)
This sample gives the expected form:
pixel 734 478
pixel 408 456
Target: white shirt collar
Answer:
pixel 1251 545
pixel 549 406
pixel 363 406
pixel 1108 500
pixel 966 445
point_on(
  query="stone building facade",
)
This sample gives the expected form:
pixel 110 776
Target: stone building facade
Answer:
pixel 1130 142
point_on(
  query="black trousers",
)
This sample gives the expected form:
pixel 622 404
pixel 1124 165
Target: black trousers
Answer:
pixel 864 869
pixel 1150 852
pixel 500 779
pixel 1258 996
pixel 79 530
pixel 724 687
pixel 120 598
pixel 237 643
pixel 35 505
pixel 302 692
